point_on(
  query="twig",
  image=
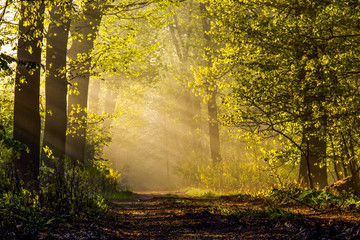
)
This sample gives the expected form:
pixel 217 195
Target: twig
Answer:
pixel 4 11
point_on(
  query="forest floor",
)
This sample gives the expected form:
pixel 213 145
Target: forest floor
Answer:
pixel 175 215
pixel 178 216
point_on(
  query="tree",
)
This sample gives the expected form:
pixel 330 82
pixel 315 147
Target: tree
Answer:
pixel 105 59
pixel 56 85
pixel 27 92
pixel 293 65
pixel 211 92
pixel 185 33
pixel 191 40
pixel 84 32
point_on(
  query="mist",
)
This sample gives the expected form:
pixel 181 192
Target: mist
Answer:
pixel 159 142
pixel 149 134
pixel 168 132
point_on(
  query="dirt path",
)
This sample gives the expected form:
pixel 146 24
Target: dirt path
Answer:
pixel 153 216
pixel 159 215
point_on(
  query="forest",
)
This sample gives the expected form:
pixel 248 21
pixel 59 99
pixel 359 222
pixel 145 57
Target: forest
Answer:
pixel 179 119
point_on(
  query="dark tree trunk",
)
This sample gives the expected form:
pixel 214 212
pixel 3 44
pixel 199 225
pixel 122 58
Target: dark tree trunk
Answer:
pixel 79 77
pixel 56 87
pixel 313 172
pixel 212 92
pixel 335 162
pixel 313 169
pixel 352 166
pixel 27 92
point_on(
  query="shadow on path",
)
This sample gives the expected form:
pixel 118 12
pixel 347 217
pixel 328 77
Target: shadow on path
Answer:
pixel 175 215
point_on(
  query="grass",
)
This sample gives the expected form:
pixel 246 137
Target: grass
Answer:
pixel 121 195
pixel 314 198
pixel 196 192
pixel 286 196
pixel 217 208
pixel 318 200
pixel 170 195
pixel 271 213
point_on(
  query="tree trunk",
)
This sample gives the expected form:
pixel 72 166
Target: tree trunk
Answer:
pixel 214 130
pixel 212 92
pixel 27 92
pixel 313 172
pixel 86 31
pixel 56 87
pixel 352 165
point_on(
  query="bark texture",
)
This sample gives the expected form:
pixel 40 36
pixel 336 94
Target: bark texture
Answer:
pixel 85 31
pixel 313 172
pixel 56 86
pixel 27 92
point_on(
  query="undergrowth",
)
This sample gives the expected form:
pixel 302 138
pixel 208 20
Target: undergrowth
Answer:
pixel 313 198
pixel 319 201
pixel 196 192
pixel 270 213
pixel 78 191
pixel 119 195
